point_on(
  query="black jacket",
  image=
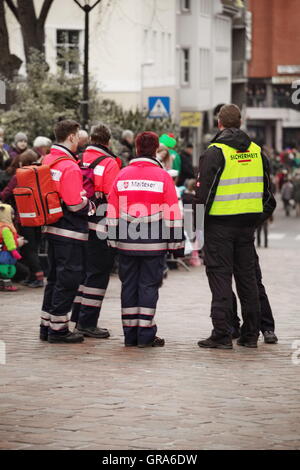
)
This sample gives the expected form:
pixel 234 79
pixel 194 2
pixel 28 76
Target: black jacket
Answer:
pixel 187 170
pixel 211 166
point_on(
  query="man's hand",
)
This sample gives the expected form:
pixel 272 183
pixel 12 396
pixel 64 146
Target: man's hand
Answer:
pixel 92 208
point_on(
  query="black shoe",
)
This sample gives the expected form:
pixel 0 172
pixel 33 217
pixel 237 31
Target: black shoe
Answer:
pixel 236 333
pixel 35 284
pixel 93 332
pixel 211 343
pixel 43 337
pixel 156 343
pixel 43 333
pixel 130 345
pixel 68 338
pixel 270 337
pixel 247 344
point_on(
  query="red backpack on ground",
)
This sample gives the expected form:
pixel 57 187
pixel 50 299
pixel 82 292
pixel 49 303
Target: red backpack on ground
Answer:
pixel 37 200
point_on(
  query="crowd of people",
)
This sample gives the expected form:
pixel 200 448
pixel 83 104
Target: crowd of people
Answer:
pixel 286 171
pixel 32 265
pixel 285 181
pixel 130 205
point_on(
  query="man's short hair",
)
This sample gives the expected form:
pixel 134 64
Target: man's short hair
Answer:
pixel 230 116
pixel 64 128
pixel 100 134
pixel 147 144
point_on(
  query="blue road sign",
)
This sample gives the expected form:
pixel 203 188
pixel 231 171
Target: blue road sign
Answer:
pixel 159 106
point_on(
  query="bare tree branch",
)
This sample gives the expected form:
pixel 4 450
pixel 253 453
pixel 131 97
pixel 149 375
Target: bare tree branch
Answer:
pixel 44 11
pixel 13 8
pixel 79 4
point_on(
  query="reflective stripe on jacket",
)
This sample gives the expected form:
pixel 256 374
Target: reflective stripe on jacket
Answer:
pixel 66 174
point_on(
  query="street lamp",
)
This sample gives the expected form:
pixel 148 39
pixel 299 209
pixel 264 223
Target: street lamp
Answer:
pixel 87 8
pixel 144 64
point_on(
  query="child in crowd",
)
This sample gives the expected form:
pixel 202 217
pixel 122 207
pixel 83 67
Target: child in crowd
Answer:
pixel 9 242
pixel 165 158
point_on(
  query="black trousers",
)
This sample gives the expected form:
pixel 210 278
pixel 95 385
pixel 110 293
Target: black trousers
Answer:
pixel 98 265
pixel 267 322
pixel 263 227
pixel 141 277
pixel 230 251
pixel 30 251
pixel 64 276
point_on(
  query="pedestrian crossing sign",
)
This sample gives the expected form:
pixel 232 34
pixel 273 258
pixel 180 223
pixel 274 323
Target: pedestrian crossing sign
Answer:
pixel 159 106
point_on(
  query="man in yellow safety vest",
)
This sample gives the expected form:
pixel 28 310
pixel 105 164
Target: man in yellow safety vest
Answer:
pixel 234 185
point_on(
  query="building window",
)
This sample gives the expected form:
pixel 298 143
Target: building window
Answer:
pixel 223 33
pixel 185 6
pixel 256 95
pixel 67 50
pixel 204 77
pixel 185 58
pixel 170 50
pixel 154 46
pixel 205 7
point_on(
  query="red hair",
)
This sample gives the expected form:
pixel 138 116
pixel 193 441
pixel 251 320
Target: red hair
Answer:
pixel 146 144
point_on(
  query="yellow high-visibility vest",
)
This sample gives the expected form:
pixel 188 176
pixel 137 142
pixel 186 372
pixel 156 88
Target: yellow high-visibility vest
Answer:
pixel 241 186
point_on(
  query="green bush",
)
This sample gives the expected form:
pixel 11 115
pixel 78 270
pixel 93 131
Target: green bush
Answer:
pixel 43 98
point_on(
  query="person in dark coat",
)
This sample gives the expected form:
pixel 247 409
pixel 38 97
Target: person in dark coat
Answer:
pixel 126 151
pixel 19 146
pixel 297 193
pixel 187 170
pixel 234 186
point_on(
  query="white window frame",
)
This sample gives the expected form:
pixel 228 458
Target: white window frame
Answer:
pixel 185 60
pixel 208 11
pixel 204 81
pixel 69 46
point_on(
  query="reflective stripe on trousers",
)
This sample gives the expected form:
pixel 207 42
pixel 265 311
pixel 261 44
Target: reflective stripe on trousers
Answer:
pixel 138 316
pixel 88 302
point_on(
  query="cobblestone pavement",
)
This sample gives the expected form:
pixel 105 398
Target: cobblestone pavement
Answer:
pixel 100 395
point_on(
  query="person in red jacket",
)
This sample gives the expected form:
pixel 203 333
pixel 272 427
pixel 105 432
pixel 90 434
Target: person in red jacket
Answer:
pixel 100 168
pixel 144 223
pixel 66 237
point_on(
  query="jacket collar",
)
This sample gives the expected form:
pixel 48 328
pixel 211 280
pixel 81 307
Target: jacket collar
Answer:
pixel 64 150
pixel 101 148
pixel 104 151
pixel 146 160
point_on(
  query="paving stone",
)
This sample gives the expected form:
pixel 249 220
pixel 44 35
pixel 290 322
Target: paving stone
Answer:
pixel 100 395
